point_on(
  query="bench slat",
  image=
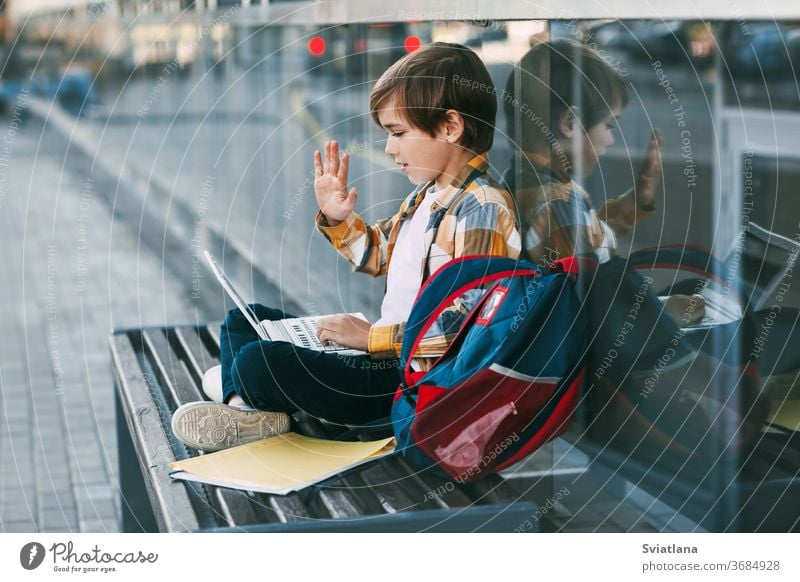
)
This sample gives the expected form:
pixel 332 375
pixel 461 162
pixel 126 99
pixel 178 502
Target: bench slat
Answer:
pixel 444 493
pixel 174 373
pixel 421 495
pixel 289 508
pixel 173 507
pixel 188 345
pixel 387 489
pixel 210 336
pixel 242 508
pixel 492 489
pixel 337 502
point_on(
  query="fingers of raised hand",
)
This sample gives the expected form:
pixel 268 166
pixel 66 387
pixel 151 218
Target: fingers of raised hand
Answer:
pixel 656 141
pixel 332 165
pixel 317 164
pixel 327 167
pixel 343 168
pixel 333 159
pixel 352 197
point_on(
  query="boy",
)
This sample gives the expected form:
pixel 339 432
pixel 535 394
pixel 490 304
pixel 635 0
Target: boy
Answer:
pixel 567 101
pixel 439 131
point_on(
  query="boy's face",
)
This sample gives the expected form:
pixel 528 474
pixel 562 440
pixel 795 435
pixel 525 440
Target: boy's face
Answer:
pixel 421 156
pixel 593 142
pixel 596 139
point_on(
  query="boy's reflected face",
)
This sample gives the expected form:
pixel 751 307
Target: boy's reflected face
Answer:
pixel 422 157
pixel 596 139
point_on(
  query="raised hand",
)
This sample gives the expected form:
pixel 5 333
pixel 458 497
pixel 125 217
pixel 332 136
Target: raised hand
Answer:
pixel 650 173
pixel 330 184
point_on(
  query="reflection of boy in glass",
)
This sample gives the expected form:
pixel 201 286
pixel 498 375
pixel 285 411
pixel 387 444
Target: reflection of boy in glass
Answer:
pixel 562 104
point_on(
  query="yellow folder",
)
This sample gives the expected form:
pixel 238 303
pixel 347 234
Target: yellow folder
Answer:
pixel 279 464
pixel 785 413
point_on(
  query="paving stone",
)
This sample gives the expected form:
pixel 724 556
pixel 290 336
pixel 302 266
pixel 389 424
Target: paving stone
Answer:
pixel 92 493
pixel 66 424
pixel 59 503
pixel 99 526
pixel 25 526
pixel 17 512
pixel 56 518
pixel 100 509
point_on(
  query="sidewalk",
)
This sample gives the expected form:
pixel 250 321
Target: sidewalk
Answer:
pixel 72 273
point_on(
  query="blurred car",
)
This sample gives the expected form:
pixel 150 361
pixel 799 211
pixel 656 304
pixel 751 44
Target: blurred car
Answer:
pixel 649 40
pixel 768 49
pixel 73 90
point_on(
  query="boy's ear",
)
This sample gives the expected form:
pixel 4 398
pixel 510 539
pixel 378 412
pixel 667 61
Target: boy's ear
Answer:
pixel 568 122
pixel 452 127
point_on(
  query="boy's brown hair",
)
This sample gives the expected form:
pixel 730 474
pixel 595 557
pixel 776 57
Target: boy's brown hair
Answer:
pixel 554 76
pixel 423 85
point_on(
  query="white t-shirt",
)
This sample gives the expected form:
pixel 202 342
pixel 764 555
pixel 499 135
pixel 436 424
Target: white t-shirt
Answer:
pixel 405 270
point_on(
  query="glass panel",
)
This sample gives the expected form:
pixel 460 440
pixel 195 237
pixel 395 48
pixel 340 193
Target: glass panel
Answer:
pixel 676 402
pixel 220 118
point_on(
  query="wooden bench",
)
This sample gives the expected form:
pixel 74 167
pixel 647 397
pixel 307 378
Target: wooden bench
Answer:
pixel 158 369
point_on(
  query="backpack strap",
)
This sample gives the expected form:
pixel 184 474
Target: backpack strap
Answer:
pixel 438 216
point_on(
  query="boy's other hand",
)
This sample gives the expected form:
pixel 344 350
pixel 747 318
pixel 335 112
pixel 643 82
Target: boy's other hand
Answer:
pixel 345 330
pixel 686 309
pixel 650 173
pixel 330 184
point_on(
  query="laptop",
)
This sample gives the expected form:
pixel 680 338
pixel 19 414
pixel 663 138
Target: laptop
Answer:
pixel 720 307
pixel 300 331
pixel 759 259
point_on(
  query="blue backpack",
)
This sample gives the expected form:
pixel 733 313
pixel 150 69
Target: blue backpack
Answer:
pixel 511 377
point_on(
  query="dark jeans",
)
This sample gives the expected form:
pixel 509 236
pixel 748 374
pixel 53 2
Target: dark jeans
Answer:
pixel 281 377
pixel 629 329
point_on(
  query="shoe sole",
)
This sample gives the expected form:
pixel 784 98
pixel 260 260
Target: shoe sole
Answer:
pixel 209 426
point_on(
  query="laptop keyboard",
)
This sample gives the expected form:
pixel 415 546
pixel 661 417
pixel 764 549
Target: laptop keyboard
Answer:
pixel 306 332
pixel 720 307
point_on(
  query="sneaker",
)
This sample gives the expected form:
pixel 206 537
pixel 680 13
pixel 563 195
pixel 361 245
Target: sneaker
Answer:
pixel 212 387
pixel 212 384
pixel 211 426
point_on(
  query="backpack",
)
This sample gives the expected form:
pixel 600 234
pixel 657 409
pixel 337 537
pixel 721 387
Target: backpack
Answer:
pixel 510 379
pixel 678 397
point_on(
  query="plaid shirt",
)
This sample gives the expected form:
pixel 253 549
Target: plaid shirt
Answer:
pixel 559 217
pixel 481 221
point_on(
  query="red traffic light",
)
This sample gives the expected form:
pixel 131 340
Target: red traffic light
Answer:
pixel 316 46
pixel 412 43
